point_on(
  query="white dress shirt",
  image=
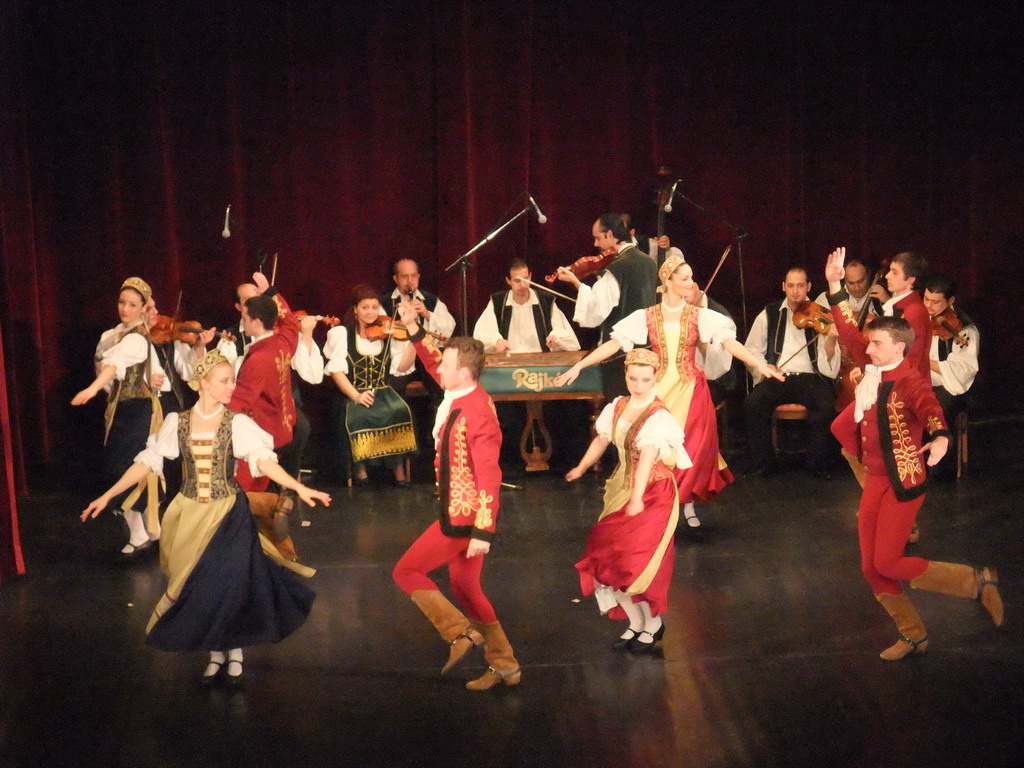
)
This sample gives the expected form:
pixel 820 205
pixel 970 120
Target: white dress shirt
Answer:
pixel 793 339
pixel 522 330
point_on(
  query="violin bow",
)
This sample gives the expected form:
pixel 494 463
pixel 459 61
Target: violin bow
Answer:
pixel 805 346
pixel 545 288
pixel 714 274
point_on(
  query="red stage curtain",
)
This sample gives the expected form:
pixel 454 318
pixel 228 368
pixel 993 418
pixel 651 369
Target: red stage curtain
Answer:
pixel 11 562
pixel 345 135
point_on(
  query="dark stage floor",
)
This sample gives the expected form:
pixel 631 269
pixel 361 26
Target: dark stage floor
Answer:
pixel 770 658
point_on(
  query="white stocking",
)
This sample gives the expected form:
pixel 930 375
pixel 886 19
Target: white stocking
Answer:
pixel 691 516
pixel 216 659
pixel 651 623
pixel 235 655
pixel 632 610
pixel 136 530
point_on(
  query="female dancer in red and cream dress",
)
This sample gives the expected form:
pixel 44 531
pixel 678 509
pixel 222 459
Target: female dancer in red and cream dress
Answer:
pixel 628 561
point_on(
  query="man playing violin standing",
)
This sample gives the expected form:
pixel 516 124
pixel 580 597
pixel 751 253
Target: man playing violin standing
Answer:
pixel 629 283
pixel 953 358
pixel 809 360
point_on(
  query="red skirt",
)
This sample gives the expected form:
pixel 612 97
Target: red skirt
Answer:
pixel 704 480
pixel 620 547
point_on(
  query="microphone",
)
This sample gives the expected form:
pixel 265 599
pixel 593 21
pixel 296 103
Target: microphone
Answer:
pixel 227 221
pixel 541 218
pixel 671 194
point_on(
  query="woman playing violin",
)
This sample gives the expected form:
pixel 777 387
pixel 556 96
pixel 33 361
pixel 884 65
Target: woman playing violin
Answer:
pixel 374 424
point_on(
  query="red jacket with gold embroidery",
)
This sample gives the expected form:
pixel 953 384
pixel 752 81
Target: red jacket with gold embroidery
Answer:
pixel 887 439
pixel 264 388
pixel 468 475
pixel 855 341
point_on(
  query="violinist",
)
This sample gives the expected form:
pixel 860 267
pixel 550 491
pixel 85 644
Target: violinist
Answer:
pixel 629 283
pixel 810 362
pixel 178 352
pixel 373 424
pixel 954 352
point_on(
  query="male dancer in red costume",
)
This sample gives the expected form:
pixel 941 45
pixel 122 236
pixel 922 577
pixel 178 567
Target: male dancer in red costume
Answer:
pixel 906 272
pixel 264 392
pixel 893 405
pixel 468 441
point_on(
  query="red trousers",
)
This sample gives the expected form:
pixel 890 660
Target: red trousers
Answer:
pixel 432 550
pixel 883 526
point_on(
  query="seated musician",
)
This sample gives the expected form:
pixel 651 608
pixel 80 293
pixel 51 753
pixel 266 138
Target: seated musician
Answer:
pixel 522 319
pixel 953 361
pixel 432 313
pixel 809 364
pixel 857 282
pixel 373 424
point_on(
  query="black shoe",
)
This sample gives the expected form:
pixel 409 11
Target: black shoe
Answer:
pixel 660 633
pixel 137 551
pixel 622 644
pixel 208 681
pixel 233 681
pixel 361 482
pixel 639 648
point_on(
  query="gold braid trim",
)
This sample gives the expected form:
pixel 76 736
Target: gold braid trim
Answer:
pixel 908 463
pixel 484 513
pixel 462 488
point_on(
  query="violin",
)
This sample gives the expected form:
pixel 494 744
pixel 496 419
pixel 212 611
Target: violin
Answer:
pixel 586 265
pixel 165 329
pixel 329 320
pixel 384 327
pixel 948 325
pixel 814 316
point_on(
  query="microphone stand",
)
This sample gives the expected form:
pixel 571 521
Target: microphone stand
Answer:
pixel 464 263
pixel 740 235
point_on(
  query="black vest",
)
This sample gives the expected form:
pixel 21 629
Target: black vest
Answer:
pixel 637 276
pixel 778 314
pixel 541 315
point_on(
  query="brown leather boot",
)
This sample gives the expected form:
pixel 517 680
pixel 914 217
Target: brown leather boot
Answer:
pixel 454 628
pixel 913 637
pixel 964 581
pixel 503 665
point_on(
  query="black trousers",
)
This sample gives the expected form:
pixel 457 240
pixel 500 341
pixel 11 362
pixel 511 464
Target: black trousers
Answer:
pixel 815 393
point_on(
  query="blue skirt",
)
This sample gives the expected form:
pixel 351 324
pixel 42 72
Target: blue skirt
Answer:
pixel 235 595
